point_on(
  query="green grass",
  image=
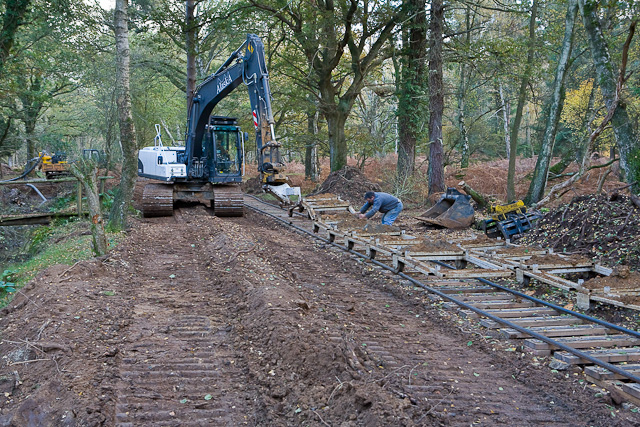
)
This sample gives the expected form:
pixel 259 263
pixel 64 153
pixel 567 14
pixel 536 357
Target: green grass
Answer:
pixel 60 243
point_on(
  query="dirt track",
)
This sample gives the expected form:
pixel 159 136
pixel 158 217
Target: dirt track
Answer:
pixel 209 321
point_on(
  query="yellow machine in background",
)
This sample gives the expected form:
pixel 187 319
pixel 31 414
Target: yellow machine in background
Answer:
pixel 509 220
pixel 54 166
pixel 499 212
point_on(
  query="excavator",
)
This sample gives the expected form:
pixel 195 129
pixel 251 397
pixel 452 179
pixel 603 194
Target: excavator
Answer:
pixel 209 168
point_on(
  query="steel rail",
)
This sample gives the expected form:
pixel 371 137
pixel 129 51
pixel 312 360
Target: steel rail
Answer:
pixel 551 305
pixel 443 295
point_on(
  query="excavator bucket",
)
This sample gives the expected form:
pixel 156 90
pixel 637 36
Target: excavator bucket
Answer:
pixel 453 210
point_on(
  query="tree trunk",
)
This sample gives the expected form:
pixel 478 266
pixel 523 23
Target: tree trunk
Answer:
pixel 479 198
pixel 522 96
pixel 337 142
pixel 608 83
pixel 311 148
pixel 190 44
pixel 462 89
pixel 87 173
pixel 539 180
pixel 436 100
pixel 32 105
pixel 462 127
pixel 29 136
pixel 505 107
pixel 122 201
pixel 410 111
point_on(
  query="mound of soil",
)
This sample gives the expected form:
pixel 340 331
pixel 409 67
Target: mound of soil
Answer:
pixel 252 186
pixel 622 279
pixel 349 183
pixel 555 259
pixel 603 228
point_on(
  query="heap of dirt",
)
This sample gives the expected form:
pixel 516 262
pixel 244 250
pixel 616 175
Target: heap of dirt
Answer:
pixel 622 279
pixel 606 229
pixel 349 183
pixel 252 186
pixel 554 259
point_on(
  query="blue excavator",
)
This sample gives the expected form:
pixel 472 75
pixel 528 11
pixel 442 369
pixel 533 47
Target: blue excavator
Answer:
pixel 209 168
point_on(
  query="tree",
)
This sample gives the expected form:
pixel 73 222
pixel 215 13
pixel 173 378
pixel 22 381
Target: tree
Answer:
pixel 311 169
pixel 15 12
pixel 122 201
pixel 462 89
pixel 611 86
pixel 411 87
pixel 39 83
pixel 190 45
pixel 324 32
pixel 522 94
pixel 436 100
pixel 8 145
pixel 86 171
pixel 539 180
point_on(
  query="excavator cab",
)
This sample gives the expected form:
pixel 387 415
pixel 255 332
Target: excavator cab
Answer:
pixel 225 151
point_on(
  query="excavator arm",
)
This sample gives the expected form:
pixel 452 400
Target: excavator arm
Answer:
pixel 245 66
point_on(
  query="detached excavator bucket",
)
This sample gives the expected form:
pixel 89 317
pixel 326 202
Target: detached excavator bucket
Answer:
pixel 453 210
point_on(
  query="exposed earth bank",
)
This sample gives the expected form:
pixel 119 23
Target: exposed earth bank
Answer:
pixel 198 320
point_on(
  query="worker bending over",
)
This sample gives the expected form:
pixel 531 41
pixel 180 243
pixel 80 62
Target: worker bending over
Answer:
pixel 387 204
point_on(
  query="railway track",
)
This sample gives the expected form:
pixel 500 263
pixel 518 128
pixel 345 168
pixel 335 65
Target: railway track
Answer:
pixel 461 276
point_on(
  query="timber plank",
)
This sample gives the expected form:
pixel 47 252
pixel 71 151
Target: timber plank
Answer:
pixel 585 342
pixel 523 312
pixel 632 388
pixel 606 355
pixel 601 373
pixel 470 289
pixel 536 321
pixel 557 331
pixel 617 388
pixel 473 273
pixel 486 297
pixel 502 304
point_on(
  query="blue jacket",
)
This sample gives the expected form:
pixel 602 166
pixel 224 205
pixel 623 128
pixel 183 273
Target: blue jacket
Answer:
pixel 383 202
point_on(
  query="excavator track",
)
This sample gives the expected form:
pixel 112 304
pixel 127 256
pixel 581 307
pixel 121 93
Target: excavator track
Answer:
pixel 228 200
pixel 157 200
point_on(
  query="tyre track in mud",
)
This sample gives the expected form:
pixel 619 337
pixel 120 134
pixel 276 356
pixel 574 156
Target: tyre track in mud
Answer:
pixel 179 365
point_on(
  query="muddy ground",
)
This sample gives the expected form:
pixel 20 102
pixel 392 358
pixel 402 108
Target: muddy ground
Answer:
pixel 199 320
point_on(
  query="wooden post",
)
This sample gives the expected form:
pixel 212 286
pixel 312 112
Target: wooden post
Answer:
pixel 79 201
pixel 101 188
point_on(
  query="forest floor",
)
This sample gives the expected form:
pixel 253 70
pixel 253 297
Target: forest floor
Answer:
pixel 199 320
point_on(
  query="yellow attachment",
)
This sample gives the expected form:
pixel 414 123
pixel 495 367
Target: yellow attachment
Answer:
pixel 46 159
pixel 499 212
pixel 274 178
